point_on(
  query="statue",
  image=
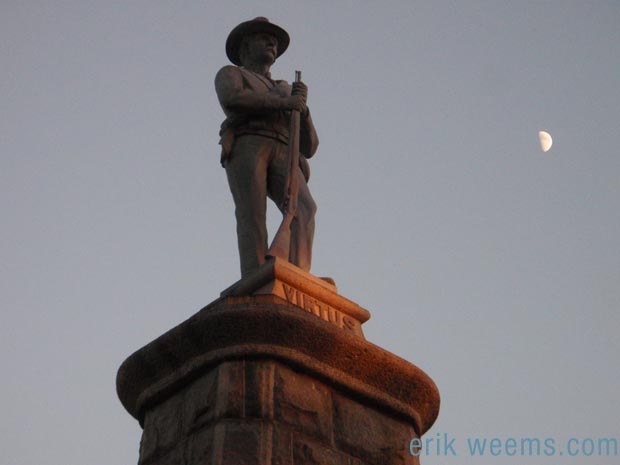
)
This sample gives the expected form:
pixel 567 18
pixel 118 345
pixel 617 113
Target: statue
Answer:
pixel 265 120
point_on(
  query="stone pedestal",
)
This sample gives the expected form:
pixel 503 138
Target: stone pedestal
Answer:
pixel 262 380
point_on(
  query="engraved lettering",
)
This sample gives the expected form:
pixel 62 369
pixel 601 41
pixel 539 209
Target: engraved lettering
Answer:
pixel 339 319
pixel 324 310
pixel 289 292
pixel 310 304
pixel 318 308
pixel 349 323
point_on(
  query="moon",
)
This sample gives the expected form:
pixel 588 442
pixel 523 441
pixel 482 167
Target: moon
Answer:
pixel 545 140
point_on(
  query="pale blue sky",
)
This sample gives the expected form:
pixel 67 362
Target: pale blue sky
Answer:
pixel 492 266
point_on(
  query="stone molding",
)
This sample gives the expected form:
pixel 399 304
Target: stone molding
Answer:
pixel 267 327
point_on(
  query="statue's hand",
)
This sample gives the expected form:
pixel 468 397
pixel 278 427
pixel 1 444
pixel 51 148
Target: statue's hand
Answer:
pixel 296 102
pixel 299 88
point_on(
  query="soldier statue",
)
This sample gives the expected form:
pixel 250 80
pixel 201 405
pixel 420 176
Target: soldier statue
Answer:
pixel 255 142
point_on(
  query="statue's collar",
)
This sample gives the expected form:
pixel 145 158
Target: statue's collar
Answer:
pixel 266 75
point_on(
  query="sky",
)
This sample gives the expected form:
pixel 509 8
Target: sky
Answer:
pixel 492 266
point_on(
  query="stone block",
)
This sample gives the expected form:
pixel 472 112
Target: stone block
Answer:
pixel 230 389
pixel 172 457
pixel 148 442
pixel 162 429
pixel 199 447
pixel 199 402
pixel 306 452
pixel 303 403
pixel 282 445
pixel 259 384
pixel 370 435
pixel 243 443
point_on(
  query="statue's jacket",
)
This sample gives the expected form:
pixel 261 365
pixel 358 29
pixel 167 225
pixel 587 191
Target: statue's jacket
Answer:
pixel 273 124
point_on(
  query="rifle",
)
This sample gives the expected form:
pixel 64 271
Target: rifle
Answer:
pixel 280 247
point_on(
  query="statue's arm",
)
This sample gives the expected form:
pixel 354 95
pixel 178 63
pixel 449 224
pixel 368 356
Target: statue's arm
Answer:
pixel 308 139
pixel 234 97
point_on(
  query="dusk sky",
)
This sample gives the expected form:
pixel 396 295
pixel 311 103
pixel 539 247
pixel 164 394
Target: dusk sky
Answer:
pixel 489 264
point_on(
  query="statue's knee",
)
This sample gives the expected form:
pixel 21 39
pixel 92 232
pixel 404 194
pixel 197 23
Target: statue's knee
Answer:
pixel 313 208
pixel 308 209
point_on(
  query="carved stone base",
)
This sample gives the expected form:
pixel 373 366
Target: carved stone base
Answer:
pixel 317 296
pixel 257 381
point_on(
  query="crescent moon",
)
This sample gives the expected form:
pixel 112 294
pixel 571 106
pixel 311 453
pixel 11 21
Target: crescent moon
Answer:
pixel 545 140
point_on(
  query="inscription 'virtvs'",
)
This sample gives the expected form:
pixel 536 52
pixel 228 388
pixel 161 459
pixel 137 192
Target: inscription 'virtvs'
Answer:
pixel 317 308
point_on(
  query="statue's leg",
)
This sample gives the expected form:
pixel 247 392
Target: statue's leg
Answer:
pixel 302 227
pixel 247 177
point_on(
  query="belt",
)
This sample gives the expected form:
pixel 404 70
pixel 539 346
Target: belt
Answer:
pixel 272 134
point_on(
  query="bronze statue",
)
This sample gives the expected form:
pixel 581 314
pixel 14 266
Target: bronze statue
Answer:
pixel 255 143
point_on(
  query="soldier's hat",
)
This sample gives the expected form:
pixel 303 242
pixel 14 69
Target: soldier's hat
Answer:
pixel 254 26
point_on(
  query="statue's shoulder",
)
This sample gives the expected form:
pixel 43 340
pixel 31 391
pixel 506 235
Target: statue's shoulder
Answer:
pixel 228 72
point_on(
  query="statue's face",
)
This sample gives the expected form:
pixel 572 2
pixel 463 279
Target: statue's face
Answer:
pixel 262 48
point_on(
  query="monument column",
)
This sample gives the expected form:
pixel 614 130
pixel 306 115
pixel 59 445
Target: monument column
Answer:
pixel 281 375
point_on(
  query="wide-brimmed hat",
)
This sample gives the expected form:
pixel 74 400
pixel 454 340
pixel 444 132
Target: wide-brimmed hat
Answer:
pixel 253 26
